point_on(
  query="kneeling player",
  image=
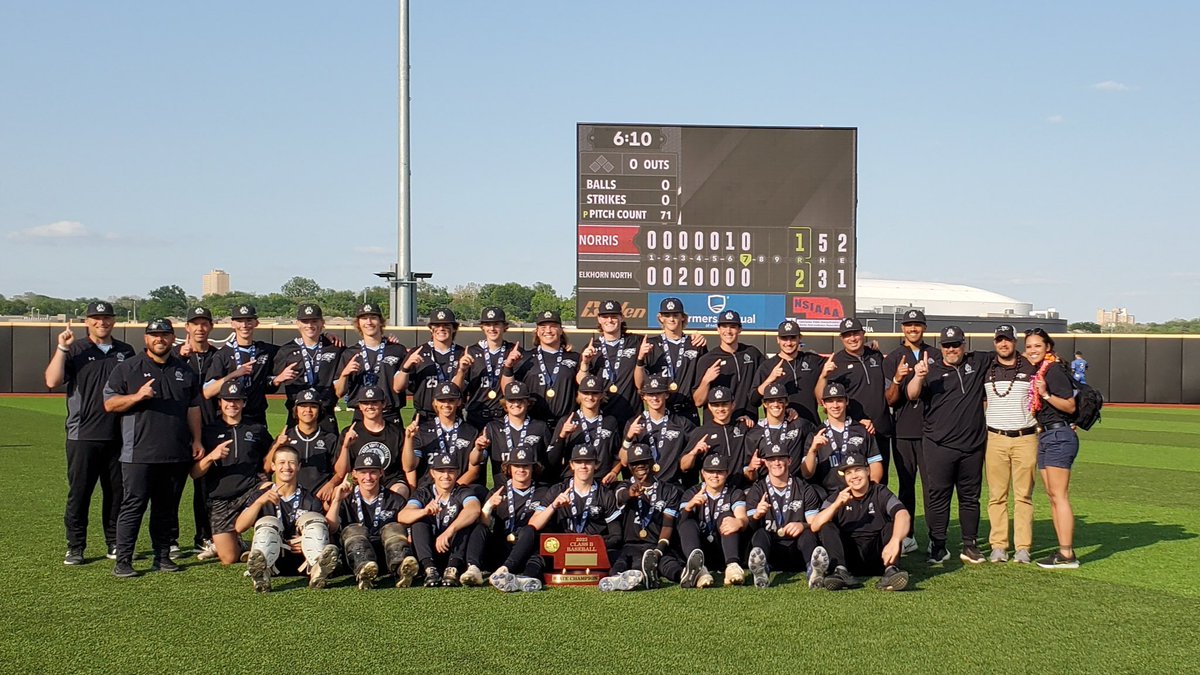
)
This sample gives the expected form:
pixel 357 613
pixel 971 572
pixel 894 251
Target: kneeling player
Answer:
pixel 651 507
pixel 444 518
pixel 863 527
pixel 505 516
pixel 366 515
pixel 291 533
pixel 781 505
pixel 711 524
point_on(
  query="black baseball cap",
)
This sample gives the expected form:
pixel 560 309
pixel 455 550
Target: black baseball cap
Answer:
pixel 159 325
pixel 639 453
pixel 516 391
pixel 671 306
pixel 548 316
pixel 852 459
pixel 447 391
pixel 442 461
pixel 774 391
pixel 719 395
pixel 309 310
pixel 99 308
pixel 308 397
pixel 913 316
pixel 849 325
pixel 715 461
pixel 368 309
pixel 592 384
pixel 609 307
pixel 788 328
pixel 199 313
pixel 1007 332
pixel 370 395
pixel 243 312
pixel 773 451
pixel 368 459
pixel 951 335
pixel 729 317
pixel 492 315
pixel 656 384
pixel 443 315
pixel 833 390
pixel 583 452
pixel 232 390
pixel 522 456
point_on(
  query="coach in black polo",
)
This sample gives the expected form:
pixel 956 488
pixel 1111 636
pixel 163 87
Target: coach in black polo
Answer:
pixel 93 438
pixel 955 436
pixel 158 398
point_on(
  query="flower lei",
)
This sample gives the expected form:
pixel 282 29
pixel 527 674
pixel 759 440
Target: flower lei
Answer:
pixel 1033 400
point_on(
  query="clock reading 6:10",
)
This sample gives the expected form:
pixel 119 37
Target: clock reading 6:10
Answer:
pixel 634 139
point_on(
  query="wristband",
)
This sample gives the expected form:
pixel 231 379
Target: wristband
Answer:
pixel 408 370
pixel 506 371
pixel 63 349
pixel 626 444
pixel 641 362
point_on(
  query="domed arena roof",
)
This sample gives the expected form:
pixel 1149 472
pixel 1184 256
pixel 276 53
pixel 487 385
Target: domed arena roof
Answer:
pixel 880 295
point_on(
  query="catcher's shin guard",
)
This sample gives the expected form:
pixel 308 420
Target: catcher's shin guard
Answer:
pixel 395 544
pixel 320 557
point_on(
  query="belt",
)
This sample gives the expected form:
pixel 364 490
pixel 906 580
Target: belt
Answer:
pixel 1017 433
pixel 1054 425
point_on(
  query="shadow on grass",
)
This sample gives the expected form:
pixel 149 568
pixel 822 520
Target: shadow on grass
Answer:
pixel 1112 538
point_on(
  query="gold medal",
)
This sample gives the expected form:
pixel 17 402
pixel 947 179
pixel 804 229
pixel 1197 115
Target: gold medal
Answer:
pixel 643 534
pixel 549 393
pixel 612 388
pixel 511 538
pixel 492 394
pixel 657 468
pixel 672 386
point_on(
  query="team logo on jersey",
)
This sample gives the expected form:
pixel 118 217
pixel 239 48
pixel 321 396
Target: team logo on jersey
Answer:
pixel 805 367
pixel 738 433
pixel 968 369
pixel 530 440
pixel 261 360
pixel 871 362
pixel 855 440
pixel 179 376
pixel 391 360
pixel 120 357
pixel 327 356
pixel 690 354
pixel 626 353
pixel 452 510
pixel 671 434
pixel 320 444
pixel 249 436
pixel 850 366
pixel 871 508
pixel 380 451
pixel 569 363
pixel 594 510
pixel 461 443
pixel 790 434
pixel 746 358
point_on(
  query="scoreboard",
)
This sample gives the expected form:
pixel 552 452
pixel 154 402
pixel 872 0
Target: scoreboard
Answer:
pixel 754 219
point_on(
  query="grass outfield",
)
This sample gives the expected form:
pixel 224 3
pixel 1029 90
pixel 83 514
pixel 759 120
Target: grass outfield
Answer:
pixel 1131 607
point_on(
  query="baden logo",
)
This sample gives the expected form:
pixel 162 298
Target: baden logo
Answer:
pixel 593 307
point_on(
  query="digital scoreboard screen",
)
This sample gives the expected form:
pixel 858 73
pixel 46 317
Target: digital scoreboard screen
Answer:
pixel 758 220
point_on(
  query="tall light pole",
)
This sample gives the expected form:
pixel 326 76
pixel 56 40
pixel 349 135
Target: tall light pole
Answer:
pixel 404 289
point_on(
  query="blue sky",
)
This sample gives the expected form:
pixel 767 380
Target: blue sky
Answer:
pixel 1045 152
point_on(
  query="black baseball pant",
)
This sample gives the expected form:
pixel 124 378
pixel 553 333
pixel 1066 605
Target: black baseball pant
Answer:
pixel 720 547
pixel 862 555
pixel 783 553
pixel 466 547
pixel 88 463
pixel 159 487
pixel 906 453
pixel 946 470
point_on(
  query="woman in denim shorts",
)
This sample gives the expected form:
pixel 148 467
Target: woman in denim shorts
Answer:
pixel 1052 401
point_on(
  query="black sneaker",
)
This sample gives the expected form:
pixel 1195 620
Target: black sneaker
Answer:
pixel 971 554
pixel 693 569
pixel 124 569
pixel 938 553
pixel 650 568
pixel 74 557
pixel 1058 561
pixel 432 578
pixel 163 563
pixel 450 578
pixel 893 579
pixel 839 578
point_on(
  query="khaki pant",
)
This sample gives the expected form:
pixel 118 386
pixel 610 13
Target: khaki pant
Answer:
pixel 1011 461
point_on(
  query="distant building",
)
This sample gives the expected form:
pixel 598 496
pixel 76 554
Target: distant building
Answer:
pixel 215 282
pixel 881 303
pixel 1117 316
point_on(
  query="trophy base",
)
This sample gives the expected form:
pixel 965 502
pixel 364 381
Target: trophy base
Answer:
pixel 587 578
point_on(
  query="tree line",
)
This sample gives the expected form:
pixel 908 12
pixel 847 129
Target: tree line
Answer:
pixel 520 302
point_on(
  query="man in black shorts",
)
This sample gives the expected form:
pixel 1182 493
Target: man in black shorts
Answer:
pixel 93 435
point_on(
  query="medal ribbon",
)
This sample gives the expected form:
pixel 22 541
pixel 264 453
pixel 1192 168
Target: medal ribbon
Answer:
pixel 578 523
pixel 237 358
pixel 779 502
pixel 360 504
pixel 370 376
pixel 711 510
pixel 312 361
pixel 551 376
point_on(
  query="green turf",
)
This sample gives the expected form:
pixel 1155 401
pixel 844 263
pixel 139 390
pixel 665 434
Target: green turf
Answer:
pixel 1132 607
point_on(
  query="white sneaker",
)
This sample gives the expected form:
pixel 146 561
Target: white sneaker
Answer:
pixel 909 545
pixel 504 581
pixel 472 577
pixel 705 579
pixel 208 551
pixel 174 553
pixel 734 575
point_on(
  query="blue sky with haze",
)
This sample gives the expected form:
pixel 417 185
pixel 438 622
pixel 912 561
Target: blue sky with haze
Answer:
pixel 1047 151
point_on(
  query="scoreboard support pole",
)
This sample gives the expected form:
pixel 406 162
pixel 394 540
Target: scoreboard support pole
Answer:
pixel 403 296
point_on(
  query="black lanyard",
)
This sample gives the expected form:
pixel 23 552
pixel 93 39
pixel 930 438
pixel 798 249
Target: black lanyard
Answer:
pixel 370 376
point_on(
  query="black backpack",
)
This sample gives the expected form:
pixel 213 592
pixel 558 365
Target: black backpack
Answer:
pixel 1088 403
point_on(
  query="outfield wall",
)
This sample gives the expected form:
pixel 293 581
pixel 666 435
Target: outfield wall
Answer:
pixel 1125 368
